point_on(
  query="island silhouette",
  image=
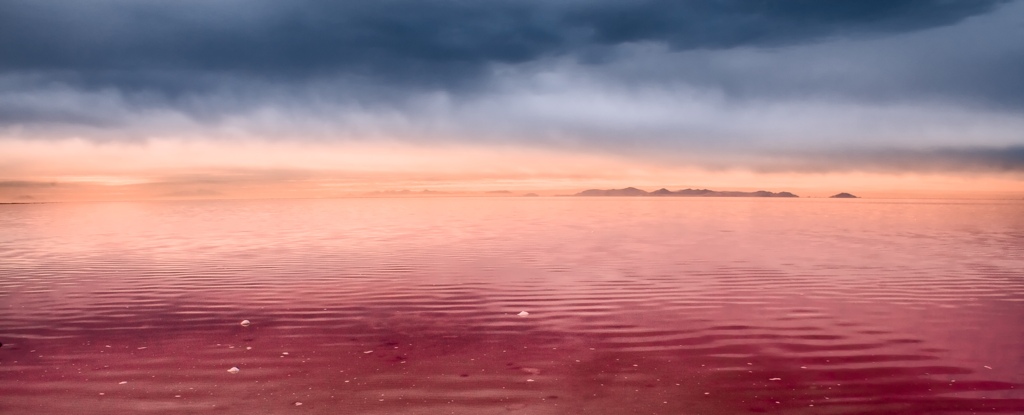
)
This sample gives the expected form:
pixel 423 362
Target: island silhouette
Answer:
pixel 843 195
pixel 632 191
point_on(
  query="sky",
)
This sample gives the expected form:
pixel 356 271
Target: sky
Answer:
pixel 149 99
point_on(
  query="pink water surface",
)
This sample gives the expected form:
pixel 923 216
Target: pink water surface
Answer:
pixel 409 306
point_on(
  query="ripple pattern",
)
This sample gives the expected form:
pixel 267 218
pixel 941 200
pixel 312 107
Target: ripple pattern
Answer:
pixel 383 306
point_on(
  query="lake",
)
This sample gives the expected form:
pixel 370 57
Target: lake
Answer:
pixel 415 306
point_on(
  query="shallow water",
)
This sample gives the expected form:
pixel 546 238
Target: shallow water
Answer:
pixel 636 306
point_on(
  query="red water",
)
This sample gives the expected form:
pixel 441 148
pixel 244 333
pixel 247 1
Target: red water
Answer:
pixel 636 306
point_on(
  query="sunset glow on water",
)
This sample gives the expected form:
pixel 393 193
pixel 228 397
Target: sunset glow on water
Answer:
pixel 635 305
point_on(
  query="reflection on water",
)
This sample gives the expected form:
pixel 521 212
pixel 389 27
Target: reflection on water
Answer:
pixel 382 306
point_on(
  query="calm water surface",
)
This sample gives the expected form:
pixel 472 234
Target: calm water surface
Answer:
pixel 409 306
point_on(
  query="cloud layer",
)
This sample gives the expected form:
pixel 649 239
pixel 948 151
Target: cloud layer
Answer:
pixel 774 85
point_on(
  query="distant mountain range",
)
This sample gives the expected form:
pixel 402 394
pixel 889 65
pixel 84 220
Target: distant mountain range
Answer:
pixel 632 191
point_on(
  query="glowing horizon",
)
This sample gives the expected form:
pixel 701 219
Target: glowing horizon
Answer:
pixel 69 170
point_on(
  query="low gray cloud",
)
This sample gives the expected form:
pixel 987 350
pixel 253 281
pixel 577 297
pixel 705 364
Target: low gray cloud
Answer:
pixel 1009 159
pixel 23 184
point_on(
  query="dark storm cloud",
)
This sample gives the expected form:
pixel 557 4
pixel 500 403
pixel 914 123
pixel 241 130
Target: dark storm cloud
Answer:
pixel 144 44
pixel 430 43
pixel 872 84
pixel 732 23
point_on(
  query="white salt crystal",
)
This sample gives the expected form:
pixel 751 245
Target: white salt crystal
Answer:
pixel 233 370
